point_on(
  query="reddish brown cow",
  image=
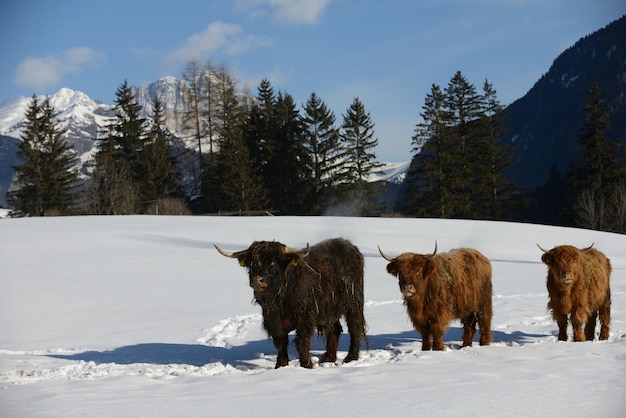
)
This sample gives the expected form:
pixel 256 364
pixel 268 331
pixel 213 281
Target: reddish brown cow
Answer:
pixel 305 290
pixel 578 284
pixel 439 288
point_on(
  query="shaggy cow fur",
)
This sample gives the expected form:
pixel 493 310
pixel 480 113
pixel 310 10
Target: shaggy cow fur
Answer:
pixel 439 288
pixel 308 292
pixel 578 284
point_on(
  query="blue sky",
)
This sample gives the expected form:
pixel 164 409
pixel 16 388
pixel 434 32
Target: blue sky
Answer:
pixel 386 53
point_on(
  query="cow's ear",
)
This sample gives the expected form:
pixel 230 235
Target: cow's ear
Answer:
pixel 242 261
pixel 430 267
pixel 545 258
pixel 392 269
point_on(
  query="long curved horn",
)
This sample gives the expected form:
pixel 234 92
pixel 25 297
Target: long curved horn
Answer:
pixel 588 248
pixel 386 257
pixel 228 253
pixel 435 252
pixel 543 249
pixel 302 253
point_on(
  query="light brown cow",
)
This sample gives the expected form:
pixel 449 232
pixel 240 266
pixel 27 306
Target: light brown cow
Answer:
pixel 578 284
pixel 438 288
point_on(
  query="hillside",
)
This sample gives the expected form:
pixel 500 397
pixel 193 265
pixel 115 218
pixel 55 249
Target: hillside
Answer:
pixel 545 123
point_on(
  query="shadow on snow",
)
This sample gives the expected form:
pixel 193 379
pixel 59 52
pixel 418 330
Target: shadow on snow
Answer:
pixel 244 356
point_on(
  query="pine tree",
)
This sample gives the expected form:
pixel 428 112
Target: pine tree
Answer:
pixel 496 196
pixel 463 103
pixel 288 171
pixel 426 192
pixel 119 177
pixel 161 176
pixel 322 139
pixel 235 185
pixel 358 159
pixel 599 175
pixel 45 181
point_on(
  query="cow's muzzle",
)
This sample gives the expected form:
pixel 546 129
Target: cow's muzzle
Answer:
pixel 258 283
pixel 408 290
pixel 566 278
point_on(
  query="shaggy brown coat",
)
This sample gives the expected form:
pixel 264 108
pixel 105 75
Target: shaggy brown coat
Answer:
pixel 439 288
pixel 579 285
pixel 307 291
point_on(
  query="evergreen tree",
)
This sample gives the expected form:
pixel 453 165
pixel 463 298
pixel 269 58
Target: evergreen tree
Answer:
pixel 235 185
pixel 288 170
pixel 120 174
pixel 161 176
pixel 427 192
pixel 463 104
pixel 358 159
pixel 322 140
pixel 45 181
pixel 496 196
pixel 596 180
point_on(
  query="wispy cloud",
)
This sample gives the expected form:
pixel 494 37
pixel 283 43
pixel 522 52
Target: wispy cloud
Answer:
pixel 287 11
pixel 48 71
pixel 217 36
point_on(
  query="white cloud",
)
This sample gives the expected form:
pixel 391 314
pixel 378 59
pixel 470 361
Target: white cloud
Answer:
pixel 218 35
pixel 289 11
pixel 48 71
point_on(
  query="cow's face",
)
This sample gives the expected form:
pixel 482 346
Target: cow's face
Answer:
pixel 410 269
pixel 563 263
pixel 268 263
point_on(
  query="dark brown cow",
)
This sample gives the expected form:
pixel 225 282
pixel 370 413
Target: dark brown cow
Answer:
pixel 578 284
pixel 307 290
pixel 439 288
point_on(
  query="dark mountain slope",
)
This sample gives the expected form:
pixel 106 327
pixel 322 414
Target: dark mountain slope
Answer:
pixel 545 123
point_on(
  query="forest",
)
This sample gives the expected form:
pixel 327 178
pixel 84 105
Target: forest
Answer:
pixel 262 154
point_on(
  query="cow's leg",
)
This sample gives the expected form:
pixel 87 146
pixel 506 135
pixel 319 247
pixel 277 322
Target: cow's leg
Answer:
pixel 332 341
pixel 281 342
pixel 438 337
pixel 590 327
pixel 561 321
pixel 577 326
pixel 303 345
pixel 427 339
pixel 605 319
pixel 484 324
pixel 356 329
pixel 469 328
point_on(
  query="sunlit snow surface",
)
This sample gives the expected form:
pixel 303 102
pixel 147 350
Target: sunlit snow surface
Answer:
pixel 140 316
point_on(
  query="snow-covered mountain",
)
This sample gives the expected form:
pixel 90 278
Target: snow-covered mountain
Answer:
pixel 83 119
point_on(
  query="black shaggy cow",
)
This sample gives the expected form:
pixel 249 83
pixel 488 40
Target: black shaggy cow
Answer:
pixel 307 290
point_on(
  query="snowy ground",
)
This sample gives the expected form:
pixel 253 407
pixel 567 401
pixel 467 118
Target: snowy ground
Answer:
pixel 140 316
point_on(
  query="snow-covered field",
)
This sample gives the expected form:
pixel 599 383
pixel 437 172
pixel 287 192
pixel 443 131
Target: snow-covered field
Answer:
pixel 140 316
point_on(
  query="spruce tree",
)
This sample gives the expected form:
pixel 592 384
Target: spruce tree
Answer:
pixel 288 172
pixel 427 192
pixel 322 140
pixel 46 181
pixel 161 176
pixel 496 196
pixel 120 173
pixel 358 159
pixel 596 179
pixel 234 185
pixel 464 104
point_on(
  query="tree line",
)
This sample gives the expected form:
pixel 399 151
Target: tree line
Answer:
pixel 257 153
pixel 263 153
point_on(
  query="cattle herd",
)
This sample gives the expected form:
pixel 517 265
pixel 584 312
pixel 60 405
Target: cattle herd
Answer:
pixel 311 289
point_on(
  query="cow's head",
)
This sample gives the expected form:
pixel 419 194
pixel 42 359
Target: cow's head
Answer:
pixel 267 262
pixel 410 269
pixel 563 262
